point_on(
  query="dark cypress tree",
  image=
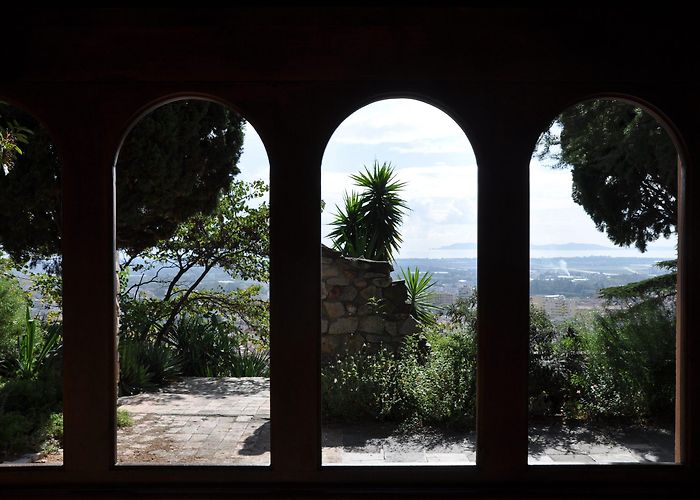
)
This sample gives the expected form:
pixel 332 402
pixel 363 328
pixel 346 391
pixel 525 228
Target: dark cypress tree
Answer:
pixel 174 163
pixel 623 167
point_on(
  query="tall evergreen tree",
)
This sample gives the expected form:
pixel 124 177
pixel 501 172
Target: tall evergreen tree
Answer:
pixel 623 166
pixel 176 162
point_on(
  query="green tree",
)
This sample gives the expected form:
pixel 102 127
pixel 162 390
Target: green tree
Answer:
pixel 463 311
pixel 368 226
pixel 13 136
pixel 623 167
pixel 176 162
pixel 12 306
pixel 29 190
pixel 630 364
pixel 658 289
pixel 235 238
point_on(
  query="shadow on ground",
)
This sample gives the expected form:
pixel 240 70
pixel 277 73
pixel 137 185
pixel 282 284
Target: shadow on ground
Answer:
pixel 218 387
pixel 257 443
pixel 646 444
pixel 372 437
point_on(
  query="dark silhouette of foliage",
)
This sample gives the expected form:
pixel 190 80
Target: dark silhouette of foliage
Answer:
pixel 623 166
pixel 30 194
pixel 176 162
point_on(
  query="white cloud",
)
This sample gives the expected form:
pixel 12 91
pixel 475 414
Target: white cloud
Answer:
pixel 403 121
pixel 432 155
pixel 253 163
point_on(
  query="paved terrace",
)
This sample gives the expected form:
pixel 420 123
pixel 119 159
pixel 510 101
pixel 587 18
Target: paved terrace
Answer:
pixel 227 421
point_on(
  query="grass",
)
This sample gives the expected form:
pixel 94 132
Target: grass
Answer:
pixel 124 419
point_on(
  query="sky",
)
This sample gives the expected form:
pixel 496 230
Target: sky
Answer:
pixel 432 155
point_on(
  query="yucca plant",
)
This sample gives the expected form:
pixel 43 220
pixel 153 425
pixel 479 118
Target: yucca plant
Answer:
pixel 420 295
pixel 382 209
pixel 350 232
pixel 368 226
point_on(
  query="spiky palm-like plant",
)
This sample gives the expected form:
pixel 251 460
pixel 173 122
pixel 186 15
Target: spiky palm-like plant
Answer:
pixel 420 295
pixel 350 233
pixel 369 226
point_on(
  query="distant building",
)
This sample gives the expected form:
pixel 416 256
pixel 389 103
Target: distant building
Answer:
pixel 559 308
pixel 465 291
pixel 556 306
pixel 443 298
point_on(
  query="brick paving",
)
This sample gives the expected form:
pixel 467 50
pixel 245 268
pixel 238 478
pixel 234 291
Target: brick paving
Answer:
pixel 226 421
pixel 589 444
pixel 199 421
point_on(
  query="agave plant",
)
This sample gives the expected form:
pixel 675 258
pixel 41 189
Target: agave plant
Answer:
pixel 32 353
pixel 419 294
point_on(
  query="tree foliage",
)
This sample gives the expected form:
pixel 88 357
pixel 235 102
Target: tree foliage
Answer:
pixel 30 194
pixel 368 225
pixel 623 166
pixel 235 238
pixel 660 289
pixel 176 162
pixel 13 300
pixel 13 136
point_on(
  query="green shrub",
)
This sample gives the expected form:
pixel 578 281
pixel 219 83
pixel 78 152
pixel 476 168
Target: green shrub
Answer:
pixel 199 346
pixel 362 386
pixel 444 387
pixel 41 395
pixel 12 306
pixel 144 365
pixel 140 318
pixel 133 374
pixel 207 347
pixel 615 364
pixel 28 415
pixel 431 381
pixel 51 433
pixel 630 364
pixel 54 428
pixel 548 380
pixel 249 363
pixel 15 434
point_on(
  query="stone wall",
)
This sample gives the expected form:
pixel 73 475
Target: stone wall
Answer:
pixel 361 305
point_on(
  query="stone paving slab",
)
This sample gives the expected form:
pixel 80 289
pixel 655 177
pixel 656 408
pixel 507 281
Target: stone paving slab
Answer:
pixel 226 421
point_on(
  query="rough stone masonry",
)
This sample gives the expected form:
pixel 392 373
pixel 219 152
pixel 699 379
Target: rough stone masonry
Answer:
pixel 361 305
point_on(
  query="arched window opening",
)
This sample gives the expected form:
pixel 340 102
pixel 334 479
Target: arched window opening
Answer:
pixel 31 319
pixel 603 264
pixel 398 325
pixel 193 247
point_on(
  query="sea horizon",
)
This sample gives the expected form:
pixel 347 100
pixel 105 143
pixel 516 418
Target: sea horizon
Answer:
pixel 629 253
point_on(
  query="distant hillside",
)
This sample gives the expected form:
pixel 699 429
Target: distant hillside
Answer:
pixel 571 246
pixel 553 246
pixel 458 246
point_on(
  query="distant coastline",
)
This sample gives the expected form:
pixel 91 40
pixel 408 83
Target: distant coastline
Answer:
pixel 468 250
pixel 550 246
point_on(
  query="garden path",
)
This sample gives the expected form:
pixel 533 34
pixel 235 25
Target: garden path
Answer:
pixel 227 421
